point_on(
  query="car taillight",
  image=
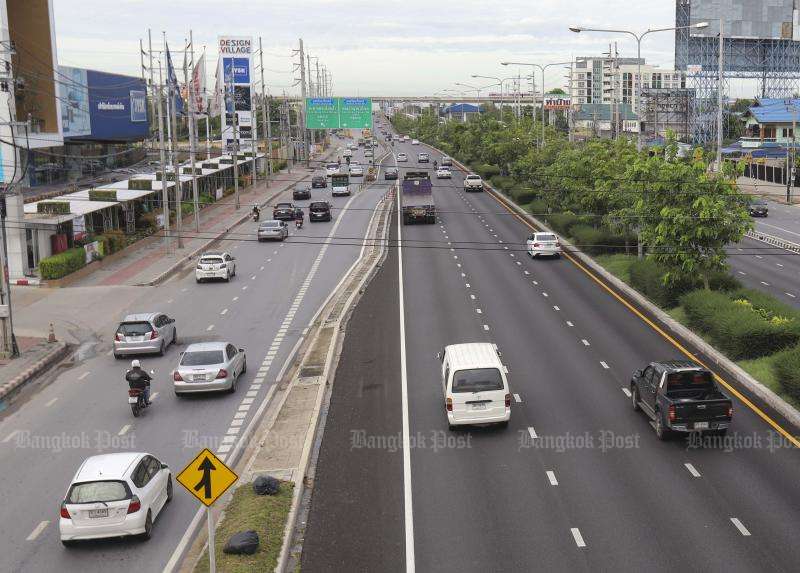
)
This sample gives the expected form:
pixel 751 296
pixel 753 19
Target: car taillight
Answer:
pixel 730 410
pixel 65 512
pixel 449 403
pixel 222 373
pixel 176 376
pixel 672 412
pixel 154 335
pixel 116 337
pixel 536 244
pixel 135 505
pixel 508 400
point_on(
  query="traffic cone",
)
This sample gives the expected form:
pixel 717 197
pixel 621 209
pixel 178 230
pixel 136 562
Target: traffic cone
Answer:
pixel 51 337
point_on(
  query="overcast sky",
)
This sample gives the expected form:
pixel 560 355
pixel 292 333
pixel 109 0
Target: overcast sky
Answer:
pixel 371 47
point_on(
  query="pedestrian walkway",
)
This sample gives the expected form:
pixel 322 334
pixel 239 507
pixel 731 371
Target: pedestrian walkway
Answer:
pixel 773 191
pixel 36 354
pixel 151 259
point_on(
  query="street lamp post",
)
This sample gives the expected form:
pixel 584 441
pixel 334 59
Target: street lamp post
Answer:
pixel 500 83
pixel 578 29
pixel 542 68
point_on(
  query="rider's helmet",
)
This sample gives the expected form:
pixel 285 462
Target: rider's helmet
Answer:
pixel 135 364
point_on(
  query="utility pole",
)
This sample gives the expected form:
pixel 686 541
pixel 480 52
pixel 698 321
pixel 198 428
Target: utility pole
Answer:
pixel 290 142
pixel 152 71
pixel 265 114
pixel 163 161
pixel 790 160
pixel 301 120
pixel 171 105
pixel 235 153
pixel 720 81
pixel 192 104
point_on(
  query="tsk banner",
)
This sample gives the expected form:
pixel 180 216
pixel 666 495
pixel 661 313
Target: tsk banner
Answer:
pixel 558 102
pixel 235 70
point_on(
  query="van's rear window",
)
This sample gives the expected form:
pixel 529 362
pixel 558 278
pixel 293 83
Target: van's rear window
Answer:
pixel 477 380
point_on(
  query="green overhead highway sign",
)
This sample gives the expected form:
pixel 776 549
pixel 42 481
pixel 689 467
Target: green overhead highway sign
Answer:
pixel 338 113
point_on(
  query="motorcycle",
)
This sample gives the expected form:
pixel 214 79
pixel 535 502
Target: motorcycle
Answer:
pixel 298 223
pixel 256 216
pixel 136 399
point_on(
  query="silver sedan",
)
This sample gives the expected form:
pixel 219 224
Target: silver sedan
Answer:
pixel 272 230
pixel 209 367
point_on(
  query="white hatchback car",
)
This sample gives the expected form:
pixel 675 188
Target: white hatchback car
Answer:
pixel 114 495
pixel 332 169
pixel 402 157
pixel 543 245
pixel 215 265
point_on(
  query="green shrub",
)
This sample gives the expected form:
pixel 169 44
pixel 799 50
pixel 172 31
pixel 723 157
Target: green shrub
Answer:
pixel 786 367
pixel 562 222
pixel 647 277
pixel 102 195
pixel 53 207
pixel 521 194
pixel 209 165
pixel 737 326
pixel 587 239
pixel 537 207
pixel 62 264
pixel 502 183
pixel 170 176
pixel 141 184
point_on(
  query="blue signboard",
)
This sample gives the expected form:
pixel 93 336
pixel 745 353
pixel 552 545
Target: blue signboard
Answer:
pixel 116 106
pixel 241 70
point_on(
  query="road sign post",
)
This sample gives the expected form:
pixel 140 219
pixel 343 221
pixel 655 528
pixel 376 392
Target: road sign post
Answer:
pixel 207 477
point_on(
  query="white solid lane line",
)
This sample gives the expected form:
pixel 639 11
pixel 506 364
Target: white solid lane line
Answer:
pixel 692 470
pixel 11 436
pixel 576 534
pixel 407 499
pixel 84 375
pixel 532 432
pixel 124 430
pixel 740 526
pixel 626 392
pixel 552 477
pixel 51 402
pixel 604 365
pixel 517 399
pixel 37 531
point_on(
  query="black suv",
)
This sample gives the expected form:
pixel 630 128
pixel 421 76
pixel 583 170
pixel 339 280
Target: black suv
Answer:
pixel 390 173
pixel 319 181
pixel 319 211
pixel 301 193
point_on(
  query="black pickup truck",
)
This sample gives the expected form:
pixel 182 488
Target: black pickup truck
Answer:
pixel 680 396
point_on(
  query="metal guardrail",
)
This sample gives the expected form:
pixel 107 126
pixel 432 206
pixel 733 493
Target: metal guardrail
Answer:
pixel 772 240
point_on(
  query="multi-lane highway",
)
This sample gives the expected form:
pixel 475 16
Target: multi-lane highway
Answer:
pixel 265 309
pixel 578 481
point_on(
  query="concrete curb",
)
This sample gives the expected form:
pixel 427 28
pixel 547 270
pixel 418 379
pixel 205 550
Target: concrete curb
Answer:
pixel 158 279
pixel 55 353
pixel 746 380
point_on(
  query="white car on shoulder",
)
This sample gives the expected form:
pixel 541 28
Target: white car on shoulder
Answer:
pixel 543 245
pixel 115 495
pixel 415 142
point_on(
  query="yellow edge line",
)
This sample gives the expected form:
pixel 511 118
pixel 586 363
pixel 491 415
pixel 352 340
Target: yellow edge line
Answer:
pixel 659 330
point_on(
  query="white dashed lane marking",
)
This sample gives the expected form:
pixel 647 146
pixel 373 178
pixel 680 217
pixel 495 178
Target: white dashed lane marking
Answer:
pixel 569 323
pixel 124 430
pixel 51 402
pixel 517 399
pixel 740 526
pixel 210 327
pixel 552 477
pixel 576 534
pixel 84 375
pixel 626 392
pixel 37 531
pixel 11 436
pixel 224 311
pixel 604 365
pixel 532 433
pixel 790 294
pixel 585 342
pixel 692 470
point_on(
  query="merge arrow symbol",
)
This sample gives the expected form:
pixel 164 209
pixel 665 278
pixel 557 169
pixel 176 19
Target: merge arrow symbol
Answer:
pixel 205 482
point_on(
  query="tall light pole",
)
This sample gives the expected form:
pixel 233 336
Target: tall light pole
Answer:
pixel 500 83
pixel 578 29
pixel 471 88
pixel 542 68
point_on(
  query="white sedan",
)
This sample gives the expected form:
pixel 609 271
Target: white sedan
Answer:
pixel 444 173
pixel 114 495
pixel 415 142
pixel 402 157
pixel 543 244
pixel 356 170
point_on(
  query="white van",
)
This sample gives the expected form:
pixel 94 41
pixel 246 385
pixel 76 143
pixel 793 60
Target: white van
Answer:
pixel 475 385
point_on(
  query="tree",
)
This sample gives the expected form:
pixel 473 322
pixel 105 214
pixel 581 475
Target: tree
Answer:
pixel 689 215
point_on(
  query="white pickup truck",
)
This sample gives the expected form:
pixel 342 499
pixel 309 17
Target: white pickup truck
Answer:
pixel 473 182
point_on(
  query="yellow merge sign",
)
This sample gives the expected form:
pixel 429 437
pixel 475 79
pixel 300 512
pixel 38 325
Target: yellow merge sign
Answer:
pixel 206 477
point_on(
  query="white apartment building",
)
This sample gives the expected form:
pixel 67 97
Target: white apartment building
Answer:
pixel 607 80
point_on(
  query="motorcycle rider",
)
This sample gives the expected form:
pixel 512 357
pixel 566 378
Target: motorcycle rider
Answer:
pixel 256 212
pixel 299 215
pixel 435 165
pixel 139 379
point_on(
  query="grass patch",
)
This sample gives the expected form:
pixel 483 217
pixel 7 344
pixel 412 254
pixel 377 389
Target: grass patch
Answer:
pixel 763 370
pixel 679 314
pixel 265 514
pixel 618 265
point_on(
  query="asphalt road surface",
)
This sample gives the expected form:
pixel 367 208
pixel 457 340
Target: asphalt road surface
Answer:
pixel 578 482
pixel 277 290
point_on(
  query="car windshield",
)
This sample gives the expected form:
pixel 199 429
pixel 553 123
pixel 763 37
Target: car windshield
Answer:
pixel 201 357
pixel 477 380
pixel 134 328
pixel 211 260
pixel 97 491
